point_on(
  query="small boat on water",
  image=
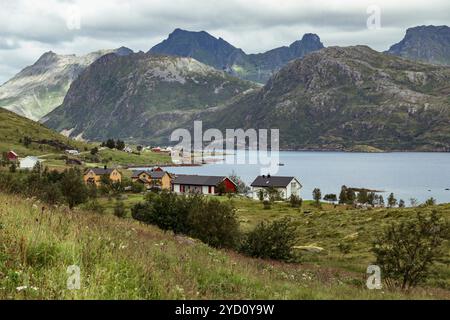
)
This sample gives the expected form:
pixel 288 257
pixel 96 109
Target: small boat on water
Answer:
pixel 281 164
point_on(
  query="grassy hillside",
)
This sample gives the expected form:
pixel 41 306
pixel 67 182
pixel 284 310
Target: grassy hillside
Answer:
pixel 342 235
pixel 123 259
pixel 14 128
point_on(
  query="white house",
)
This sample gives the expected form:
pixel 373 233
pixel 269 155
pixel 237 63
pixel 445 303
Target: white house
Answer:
pixel 28 162
pixel 73 152
pixel 286 186
pixel 207 185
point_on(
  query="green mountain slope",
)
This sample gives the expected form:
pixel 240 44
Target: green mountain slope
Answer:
pixel 348 98
pixel 136 96
pixel 13 129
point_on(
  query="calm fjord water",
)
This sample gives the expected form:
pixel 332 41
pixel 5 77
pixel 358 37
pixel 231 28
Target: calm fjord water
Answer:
pixel 408 175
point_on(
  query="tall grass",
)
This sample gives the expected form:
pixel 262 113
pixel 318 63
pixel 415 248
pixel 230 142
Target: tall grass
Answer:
pixel 122 259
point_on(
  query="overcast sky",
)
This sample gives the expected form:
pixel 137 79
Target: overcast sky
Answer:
pixel 28 28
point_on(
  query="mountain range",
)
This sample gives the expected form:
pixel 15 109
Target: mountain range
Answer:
pixel 39 88
pixel 223 56
pixel 336 98
pixel 350 98
pixel 136 96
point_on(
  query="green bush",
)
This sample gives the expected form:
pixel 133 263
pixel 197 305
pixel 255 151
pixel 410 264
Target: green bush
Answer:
pixel 165 210
pixel 271 240
pixel 214 223
pixel 295 201
pixel 120 210
pixel 211 221
pixel 406 252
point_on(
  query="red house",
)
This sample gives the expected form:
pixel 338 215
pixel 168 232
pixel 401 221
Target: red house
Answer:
pixel 202 184
pixel 12 156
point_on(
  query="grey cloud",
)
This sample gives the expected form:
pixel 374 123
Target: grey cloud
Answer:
pixel 253 25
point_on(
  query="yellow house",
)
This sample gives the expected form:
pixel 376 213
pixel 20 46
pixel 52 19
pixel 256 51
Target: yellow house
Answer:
pixel 94 176
pixel 153 179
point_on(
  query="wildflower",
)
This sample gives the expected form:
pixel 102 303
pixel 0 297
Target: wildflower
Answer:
pixel 21 288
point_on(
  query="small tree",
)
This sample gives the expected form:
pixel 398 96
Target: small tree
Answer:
pixel 120 145
pixel 392 202
pixel 343 195
pixel 137 187
pixel 351 196
pixel 110 143
pixel 120 210
pixel 261 195
pixel 381 201
pixel 271 240
pixel 406 252
pixel 73 188
pixel 26 141
pixel 317 196
pixel 430 202
pixel 401 203
pixel 242 187
pixel 295 201
pixel 94 151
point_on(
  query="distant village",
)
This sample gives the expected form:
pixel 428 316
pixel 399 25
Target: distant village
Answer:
pixel 157 179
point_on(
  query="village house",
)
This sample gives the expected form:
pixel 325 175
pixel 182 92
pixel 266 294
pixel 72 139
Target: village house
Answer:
pixel 127 150
pixel 73 152
pixel 28 163
pixel 207 185
pixel 94 176
pixel 286 186
pixel 157 178
pixel 11 156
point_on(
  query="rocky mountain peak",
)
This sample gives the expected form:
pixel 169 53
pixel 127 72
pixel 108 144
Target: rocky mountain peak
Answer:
pixel 425 43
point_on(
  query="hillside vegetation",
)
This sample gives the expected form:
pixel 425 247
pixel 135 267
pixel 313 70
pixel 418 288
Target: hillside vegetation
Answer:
pixel 122 259
pixel 14 128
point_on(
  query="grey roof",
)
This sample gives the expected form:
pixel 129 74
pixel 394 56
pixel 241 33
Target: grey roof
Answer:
pixel 101 171
pixel 272 181
pixel 194 180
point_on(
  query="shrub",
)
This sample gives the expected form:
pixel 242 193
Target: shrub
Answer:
pixel 137 187
pixel 211 221
pixel 317 196
pixel 73 188
pixel 295 201
pixel 120 210
pixel 165 210
pixel 271 241
pixel 267 205
pixel 214 223
pixel 406 252
pixel 430 202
